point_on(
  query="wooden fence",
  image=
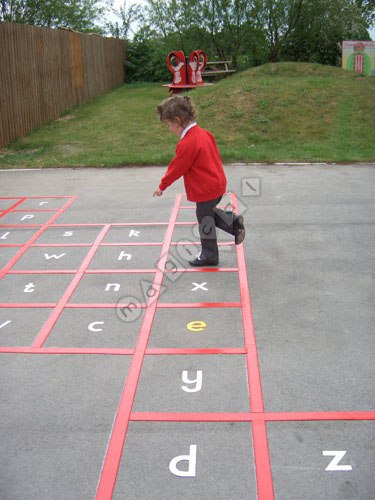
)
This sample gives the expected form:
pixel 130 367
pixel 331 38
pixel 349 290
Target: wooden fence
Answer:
pixel 43 72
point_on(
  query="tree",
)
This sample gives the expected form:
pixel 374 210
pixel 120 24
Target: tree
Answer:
pixel 79 15
pixel 277 19
pixel 321 28
pixel 249 32
pixel 220 27
pixel 230 26
pixel 126 16
pixel 169 17
pixel 367 9
pixel 146 56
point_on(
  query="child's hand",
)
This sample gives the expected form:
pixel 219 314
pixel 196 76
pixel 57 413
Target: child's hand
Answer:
pixel 158 192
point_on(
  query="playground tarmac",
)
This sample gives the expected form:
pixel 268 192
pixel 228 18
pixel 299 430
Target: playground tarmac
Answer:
pixel 126 374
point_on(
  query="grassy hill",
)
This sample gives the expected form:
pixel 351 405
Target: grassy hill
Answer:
pixel 275 112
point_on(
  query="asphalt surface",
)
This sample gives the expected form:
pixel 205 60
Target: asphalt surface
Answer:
pixel 288 413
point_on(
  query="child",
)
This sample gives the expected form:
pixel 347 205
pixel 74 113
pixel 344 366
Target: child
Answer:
pixel 198 161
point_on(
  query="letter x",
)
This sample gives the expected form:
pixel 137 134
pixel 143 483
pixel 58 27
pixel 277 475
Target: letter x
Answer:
pixel 199 287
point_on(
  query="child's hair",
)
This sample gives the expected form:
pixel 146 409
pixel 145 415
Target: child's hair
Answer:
pixel 177 107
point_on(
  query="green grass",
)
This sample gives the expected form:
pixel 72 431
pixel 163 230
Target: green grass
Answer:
pixel 276 112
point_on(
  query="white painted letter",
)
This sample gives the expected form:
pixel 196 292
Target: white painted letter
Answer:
pixel 43 203
pixel 92 328
pixel 27 217
pixel 115 286
pixel 29 288
pixel 5 324
pixel 197 381
pixel 4 236
pixel 333 465
pixel 134 233
pixel 128 256
pixel 199 286
pixel 57 257
pixel 68 233
pixel 196 326
pixel 191 459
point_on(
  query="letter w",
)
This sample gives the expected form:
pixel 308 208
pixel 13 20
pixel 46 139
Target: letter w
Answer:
pixel 48 257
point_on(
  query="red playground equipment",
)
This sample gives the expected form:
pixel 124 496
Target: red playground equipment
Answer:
pixel 187 71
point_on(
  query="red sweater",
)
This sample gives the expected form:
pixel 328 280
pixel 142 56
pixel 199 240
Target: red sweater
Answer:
pixel 198 160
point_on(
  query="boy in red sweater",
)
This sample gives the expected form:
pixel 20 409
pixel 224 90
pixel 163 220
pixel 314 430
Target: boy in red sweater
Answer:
pixel 198 161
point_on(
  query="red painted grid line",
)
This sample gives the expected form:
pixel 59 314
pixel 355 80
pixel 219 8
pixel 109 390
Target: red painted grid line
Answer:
pixel 191 417
pixel 114 351
pixel 160 305
pixel 140 271
pixel 89 271
pixel 123 244
pixel 166 351
pixel 121 271
pixel 259 431
pixel 84 225
pixel 220 243
pixel 12 207
pixel 251 416
pixel 177 270
pixel 115 447
pixel 47 197
pixel 119 350
pixel 36 235
pixel 49 324
pixel 227 193
pixel 319 415
pixel 165 305
pixel 54 245
pixel 19 226
pixel 133 244
pixel 98 224
pixel 42 271
pixel 192 207
pixel 173 305
pixel 114 224
pixel 204 270
pixel 26 305
pixel 141 224
pixel 38 210
pixel 104 306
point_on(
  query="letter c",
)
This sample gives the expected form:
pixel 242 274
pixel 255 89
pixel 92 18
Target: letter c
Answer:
pixel 92 328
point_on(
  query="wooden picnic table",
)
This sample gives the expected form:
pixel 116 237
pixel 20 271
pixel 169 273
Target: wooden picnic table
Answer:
pixel 218 68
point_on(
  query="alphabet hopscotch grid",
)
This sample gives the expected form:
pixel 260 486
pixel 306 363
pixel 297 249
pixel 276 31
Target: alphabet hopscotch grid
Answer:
pixel 256 416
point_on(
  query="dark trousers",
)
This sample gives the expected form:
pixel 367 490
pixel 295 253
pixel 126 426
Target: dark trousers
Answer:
pixel 209 218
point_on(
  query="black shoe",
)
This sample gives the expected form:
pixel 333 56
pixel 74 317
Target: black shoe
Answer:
pixel 197 262
pixel 240 230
